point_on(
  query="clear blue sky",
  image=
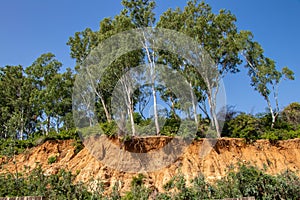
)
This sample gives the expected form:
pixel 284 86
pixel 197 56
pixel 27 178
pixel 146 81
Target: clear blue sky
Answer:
pixel 32 27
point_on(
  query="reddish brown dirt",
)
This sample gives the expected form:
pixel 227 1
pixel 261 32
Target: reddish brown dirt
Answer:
pixel 227 151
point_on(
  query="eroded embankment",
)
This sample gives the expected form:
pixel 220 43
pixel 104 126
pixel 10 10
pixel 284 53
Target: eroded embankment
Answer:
pixel 226 152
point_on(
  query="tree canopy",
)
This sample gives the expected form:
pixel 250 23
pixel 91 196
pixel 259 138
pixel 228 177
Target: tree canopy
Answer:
pixel 38 98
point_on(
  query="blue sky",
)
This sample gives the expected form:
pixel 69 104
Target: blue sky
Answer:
pixel 32 27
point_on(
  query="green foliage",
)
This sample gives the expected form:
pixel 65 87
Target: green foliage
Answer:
pixel 250 181
pixel 78 146
pixel 63 135
pixel 170 127
pixel 244 181
pixel 138 190
pixel 291 114
pixel 137 118
pixel 9 147
pixel 259 126
pixel 36 98
pixel 137 180
pixel 280 134
pixel 52 159
pixel 244 126
pixel 58 186
pixel 109 128
pixel 177 189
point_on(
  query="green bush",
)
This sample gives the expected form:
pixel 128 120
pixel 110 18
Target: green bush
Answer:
pixel 244 126
pixel 63 135
pixel 250 181
pixel 109 128
pixel 138 191
pixel 9 147
pixel 52 159
pixel 170 127
pixel 291 114
pixel 245 181
pixel 280 134
pixel 35 183
pixel 78 146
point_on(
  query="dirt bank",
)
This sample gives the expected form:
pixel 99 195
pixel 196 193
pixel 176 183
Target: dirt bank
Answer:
pixel 226 152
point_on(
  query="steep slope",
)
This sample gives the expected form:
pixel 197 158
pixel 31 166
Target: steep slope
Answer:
pixel 227 151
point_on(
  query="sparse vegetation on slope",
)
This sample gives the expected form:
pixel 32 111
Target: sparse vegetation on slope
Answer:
pixel 245 181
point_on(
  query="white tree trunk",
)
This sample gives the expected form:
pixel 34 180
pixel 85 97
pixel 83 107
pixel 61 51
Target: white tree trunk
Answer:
pixel 212 105
pixel 107 114
pixel 151 60
pixel 194 104
pixel 273 115
pixel 125 81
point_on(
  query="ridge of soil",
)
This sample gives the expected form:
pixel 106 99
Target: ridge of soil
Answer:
pixel 276 158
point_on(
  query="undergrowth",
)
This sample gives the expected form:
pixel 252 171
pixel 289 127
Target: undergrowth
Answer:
pixel 244 181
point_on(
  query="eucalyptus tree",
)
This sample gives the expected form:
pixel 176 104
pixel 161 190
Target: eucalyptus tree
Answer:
pixel 81 44
pixel 51 92
pixel 17 110
pixel 142 15
pixel 216 33
pixel 264 76
pixel 113 74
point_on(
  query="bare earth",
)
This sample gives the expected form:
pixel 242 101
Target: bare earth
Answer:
pixel 285 155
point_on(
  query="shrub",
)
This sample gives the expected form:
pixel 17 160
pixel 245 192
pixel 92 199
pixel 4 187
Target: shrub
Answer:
pixel 78 146
pixel 291 114
pixel 280 134
pixel 35 183
pixel 9 147
pixel 109 128
pixel 244 126
pixel 170 127
pixel 250 181
pixel 52 159
pixel 245 181
pixel 138 191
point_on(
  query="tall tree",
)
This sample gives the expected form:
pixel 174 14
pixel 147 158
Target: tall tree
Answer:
pixel 48 94
pixel 265 78
pixel 216 33
pixel 104 86
pixel 81 45
pixel 17 113
pixel 142 15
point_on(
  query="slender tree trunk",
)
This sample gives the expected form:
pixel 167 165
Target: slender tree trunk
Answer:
pixel 22 124
pixel 107 114
pixel 151 60
pixel 129 103
pixel 194 104
pixel 212 104
pixel 132 122
pixel 273 115
pixel 48 125
pixel 122 125
pixel 130 110
pixel 155 109
pixel 215 122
